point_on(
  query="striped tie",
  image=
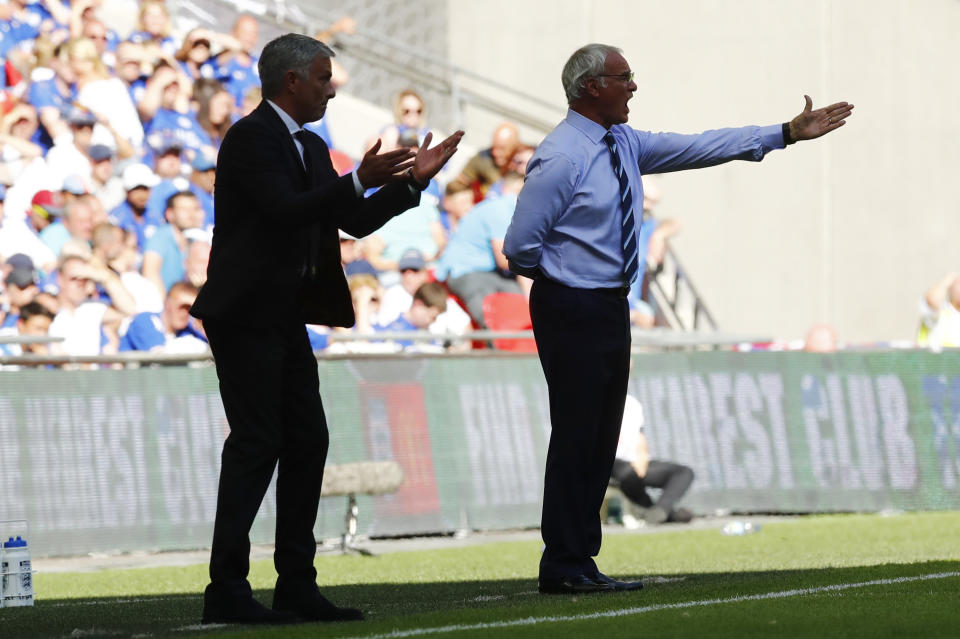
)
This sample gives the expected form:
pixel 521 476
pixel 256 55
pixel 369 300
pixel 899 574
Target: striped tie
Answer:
pixel 628 233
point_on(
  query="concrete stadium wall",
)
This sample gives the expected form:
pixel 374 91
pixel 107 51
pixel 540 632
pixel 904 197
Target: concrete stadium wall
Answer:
pixel 850 229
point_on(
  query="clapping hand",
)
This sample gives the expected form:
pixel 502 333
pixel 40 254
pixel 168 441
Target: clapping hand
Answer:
pixel 812 124
pixel 429 161
pixel 377 169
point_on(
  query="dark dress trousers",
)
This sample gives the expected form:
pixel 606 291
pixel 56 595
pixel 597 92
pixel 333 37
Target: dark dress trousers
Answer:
pixel 583 340
pixel 274 266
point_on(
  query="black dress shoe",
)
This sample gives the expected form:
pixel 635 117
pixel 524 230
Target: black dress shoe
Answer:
pixel 247 610
pixel 620 586
pixel 575 585
pixel 310 605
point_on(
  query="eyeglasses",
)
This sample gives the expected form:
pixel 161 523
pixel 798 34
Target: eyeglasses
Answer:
pixel 412 111
pixel 626 78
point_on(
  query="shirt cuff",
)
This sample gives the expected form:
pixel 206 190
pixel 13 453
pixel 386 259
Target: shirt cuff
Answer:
pixel 357 187
pixel 527 271
pixel 771 137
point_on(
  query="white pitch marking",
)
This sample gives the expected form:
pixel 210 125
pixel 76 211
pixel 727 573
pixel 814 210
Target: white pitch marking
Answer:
pixel 532 621
pixel 106 602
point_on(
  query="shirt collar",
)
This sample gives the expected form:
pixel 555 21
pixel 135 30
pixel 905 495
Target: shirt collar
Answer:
pixel 289 122
pixel 585 125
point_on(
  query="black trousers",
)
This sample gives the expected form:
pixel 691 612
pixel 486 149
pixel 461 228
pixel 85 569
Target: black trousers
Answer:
pixel 583 339
pixel 270 389
pixel 674 479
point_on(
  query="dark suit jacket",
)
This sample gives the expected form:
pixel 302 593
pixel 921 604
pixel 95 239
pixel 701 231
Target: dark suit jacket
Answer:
pixel 276 250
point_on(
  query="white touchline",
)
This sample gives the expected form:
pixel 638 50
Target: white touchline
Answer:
pixel 532 621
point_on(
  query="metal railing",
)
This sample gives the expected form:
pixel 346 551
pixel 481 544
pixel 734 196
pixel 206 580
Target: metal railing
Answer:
pixel 644 340
pixel 678 302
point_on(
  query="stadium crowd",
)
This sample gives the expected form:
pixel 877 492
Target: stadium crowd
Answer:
pixel 108 147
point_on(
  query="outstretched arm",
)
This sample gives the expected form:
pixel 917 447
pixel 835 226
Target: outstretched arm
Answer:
pixel 812 123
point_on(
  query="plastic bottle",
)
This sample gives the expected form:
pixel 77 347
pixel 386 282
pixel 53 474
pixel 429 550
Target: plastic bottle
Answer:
pixel 738 528
pixel 17 575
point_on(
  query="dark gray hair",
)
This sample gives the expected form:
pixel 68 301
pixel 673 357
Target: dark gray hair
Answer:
pixel 586 62
pixel 290 52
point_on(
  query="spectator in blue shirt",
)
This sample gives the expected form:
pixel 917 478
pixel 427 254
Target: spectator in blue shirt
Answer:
pixel 52 92
pixel 132 214
pixel 237 69
pixel 171 331
pixel 473 264
pixel 166 103
pixel 168 165
pixel 202 176
pixel 165 252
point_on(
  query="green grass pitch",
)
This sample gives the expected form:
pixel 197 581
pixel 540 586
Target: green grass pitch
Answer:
pixel 824 576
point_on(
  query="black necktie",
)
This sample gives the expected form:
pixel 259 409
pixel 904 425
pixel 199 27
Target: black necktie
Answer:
pixel 309 267
pixel 302 136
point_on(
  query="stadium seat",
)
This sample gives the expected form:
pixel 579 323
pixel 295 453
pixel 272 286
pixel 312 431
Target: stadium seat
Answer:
pixel 509 312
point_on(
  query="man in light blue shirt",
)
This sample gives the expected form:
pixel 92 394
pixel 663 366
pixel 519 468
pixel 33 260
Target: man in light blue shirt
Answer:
pixel 473 263
pixel 574 232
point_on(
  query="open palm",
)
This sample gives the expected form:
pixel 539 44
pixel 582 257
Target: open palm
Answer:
pixel 812 123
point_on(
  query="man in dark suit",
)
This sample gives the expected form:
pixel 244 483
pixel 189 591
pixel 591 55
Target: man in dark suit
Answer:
pixel 279 206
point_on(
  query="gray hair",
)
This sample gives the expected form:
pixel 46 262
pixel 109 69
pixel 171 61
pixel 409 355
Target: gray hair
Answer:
pixel 290 52
pixel 586 62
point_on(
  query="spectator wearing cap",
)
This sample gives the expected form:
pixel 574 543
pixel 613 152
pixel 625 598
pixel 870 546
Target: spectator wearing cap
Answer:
pixel 131 214
pixel 195 51
pixel 76 223
pixel 203 173
pixel 20 287
pixel 417 228
pixel 103 183
pixel 168 165
pixel 46 207
pixel 16 237
pixel 69 153
pixel 111 251
pixel 429 301
pixel 166 251
pixel 351 256
pixel 170 331
pixel 473 263
pixel 87 326
pixel 397 299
